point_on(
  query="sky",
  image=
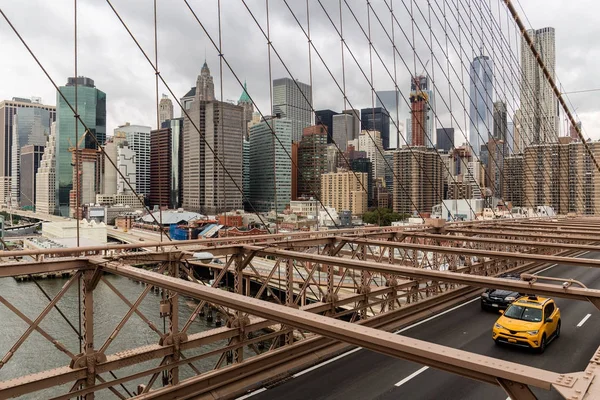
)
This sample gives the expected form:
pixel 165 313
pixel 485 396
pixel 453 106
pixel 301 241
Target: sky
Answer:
pixel 107 54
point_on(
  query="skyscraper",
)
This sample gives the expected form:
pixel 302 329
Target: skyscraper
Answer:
pixel 292 100
pixel 346 127
pixel 45 179
pixel 211 174
pixel 377 119
pixel 165 164
pixel 31 127
pixel 31 124
pixel 539 108
pixel 312 161
pixel 165 109
pixel 92 110
pixel 31 157
pixel 482 102
pixel 419 109
pixel 138 137
pixel 270 167
pixel 445 139
pixel 390 100
pixel 325 117
pixel 421 84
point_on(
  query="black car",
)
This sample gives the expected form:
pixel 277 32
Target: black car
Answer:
pixel 499 299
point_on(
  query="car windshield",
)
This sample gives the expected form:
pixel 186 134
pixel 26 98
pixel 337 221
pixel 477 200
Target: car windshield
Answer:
pixel 524 313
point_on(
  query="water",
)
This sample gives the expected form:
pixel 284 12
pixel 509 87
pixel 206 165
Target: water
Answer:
pixel 38 354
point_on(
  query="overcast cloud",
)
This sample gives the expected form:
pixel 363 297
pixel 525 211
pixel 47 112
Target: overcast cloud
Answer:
pixel 108 55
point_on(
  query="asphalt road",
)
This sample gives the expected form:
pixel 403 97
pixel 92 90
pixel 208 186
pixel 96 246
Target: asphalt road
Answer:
pixel 363 374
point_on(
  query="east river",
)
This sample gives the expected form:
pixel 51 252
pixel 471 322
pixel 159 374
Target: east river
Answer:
pixel 38 354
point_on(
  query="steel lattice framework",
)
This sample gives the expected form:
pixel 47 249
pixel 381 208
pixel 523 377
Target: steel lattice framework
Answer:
pixel 341 288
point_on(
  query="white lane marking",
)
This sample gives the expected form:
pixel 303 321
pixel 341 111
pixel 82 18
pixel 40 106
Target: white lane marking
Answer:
pixel 408 378
pixel 257 391
pixel 437 315
pixel 580 324
pixel 326 362
pixel 544 270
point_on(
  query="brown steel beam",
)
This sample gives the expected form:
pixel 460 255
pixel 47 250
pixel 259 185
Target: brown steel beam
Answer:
pixel 578 262
pixel 530 243
pixel 474 366
pixel 443 276
pixel 16 268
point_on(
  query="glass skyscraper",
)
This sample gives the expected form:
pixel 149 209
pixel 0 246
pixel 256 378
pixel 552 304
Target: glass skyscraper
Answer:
pixel 92 111
pixel 482 103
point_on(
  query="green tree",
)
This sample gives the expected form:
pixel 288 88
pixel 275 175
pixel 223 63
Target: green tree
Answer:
pixel 383 216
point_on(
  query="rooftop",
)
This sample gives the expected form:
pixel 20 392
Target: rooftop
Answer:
pixel 170 217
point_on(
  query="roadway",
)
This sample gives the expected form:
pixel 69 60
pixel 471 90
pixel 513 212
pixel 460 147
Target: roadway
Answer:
pixel 362 374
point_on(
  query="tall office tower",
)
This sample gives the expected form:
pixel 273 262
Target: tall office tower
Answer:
pixel 482 102
pixel 31 127
pixel 539 108
pixel 332 158
pixel 475 176
pixel 360 163
pixel 388 155
pixel 126 162
pixel 248 107
pixel 518 131
pixel 500 119
pixel 390 101
pixel 92 110
pixel 495 167
pixel 138 137
pixel 90 164
pixel 270 167
pixel 420 84
pixel 31 157
pixel 294 154
pixel 419 180
pixel 573 131
pixel 110 173
pixel 408 134
pixel 31 123
pixel 212 166
pixel 165 164
pixel 346 127
pixel 246 173
pixel 419 109
pixel 213 132
pixel 500 131
pixel 371 143
pixel 548 176
pixel 377 119
pixel 312 161
pixel 510 138
pixel 45 178
pixel 165 109
pixel 344 191
pixel 445 139
pixel 325 117
pixel 292 100
pixel 513 180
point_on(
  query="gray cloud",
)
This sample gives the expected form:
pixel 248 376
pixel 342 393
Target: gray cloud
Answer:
pixel 109 56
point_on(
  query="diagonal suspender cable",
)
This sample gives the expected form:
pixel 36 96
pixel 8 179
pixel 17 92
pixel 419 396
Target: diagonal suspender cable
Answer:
pixel 182 108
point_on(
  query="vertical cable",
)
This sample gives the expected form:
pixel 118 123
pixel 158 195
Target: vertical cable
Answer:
pixel 77 169
pixel 272 121
pixel 372 84
pixel 221 118
pixel 396 89
pixel 159 177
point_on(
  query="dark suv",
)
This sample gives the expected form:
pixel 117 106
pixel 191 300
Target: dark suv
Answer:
pixel 499 299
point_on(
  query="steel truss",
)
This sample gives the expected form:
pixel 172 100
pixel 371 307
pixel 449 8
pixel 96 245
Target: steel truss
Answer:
pixel 324 288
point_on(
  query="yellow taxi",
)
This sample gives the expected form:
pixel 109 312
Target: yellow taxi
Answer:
pixel 531 321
